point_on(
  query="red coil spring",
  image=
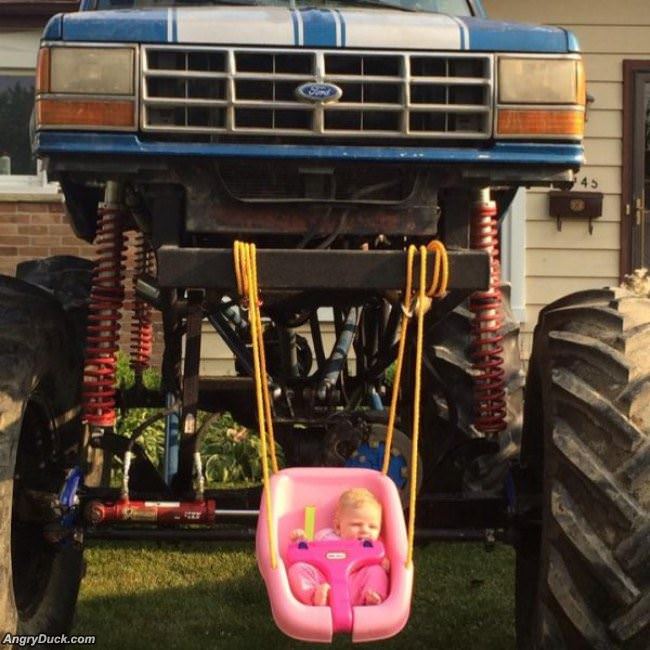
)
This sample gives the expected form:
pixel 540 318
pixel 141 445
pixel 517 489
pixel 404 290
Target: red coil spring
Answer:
pixel 104 314
pixel 141 328
pixel 487 307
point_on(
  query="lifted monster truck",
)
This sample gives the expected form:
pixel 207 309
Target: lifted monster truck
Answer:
pixel 333 135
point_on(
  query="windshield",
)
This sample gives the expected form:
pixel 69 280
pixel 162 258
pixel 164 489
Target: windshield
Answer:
pixel 453 7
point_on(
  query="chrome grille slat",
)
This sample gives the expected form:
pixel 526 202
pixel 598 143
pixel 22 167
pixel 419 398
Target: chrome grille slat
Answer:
pixel 367 106
pixel 249 103
pixel 291 106
pixel 366 79
pixel 274 76
pixel 206 90
pixel 447 108
pixel 450 81
pixel 230 91
pixel 163 101
pixel 190 74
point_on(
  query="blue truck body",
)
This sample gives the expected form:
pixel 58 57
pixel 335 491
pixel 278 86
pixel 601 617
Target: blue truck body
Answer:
pixel 339 28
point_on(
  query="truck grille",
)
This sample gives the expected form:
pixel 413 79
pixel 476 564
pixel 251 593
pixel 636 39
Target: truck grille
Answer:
pixel 253 91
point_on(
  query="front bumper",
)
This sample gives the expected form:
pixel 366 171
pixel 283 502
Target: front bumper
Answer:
pixel 524 162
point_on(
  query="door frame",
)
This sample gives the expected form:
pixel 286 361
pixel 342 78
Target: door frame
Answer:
pixel 633 71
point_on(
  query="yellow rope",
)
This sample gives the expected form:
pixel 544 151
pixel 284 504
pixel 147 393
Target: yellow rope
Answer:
pixel 422 305
pixel 437 289
pixel 260 346
pixel 246 275
pixel 440 278
pixel 245 263
pixel 240 270
pixel 406 315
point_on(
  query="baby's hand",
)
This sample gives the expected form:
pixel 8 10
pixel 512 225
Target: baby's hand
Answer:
pixel 371 597
pixel 385 565
pixel 297 535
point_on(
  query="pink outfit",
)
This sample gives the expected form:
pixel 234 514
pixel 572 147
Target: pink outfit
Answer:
pixel 304 577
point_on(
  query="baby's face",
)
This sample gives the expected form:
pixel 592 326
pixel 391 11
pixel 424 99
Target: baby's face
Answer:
pixel 361 522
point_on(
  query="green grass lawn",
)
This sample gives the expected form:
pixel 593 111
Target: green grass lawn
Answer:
pixel 201 595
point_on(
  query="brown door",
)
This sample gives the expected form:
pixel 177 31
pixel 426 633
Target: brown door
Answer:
pixel 635 225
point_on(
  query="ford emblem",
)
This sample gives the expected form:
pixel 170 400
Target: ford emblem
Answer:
pixel 319 93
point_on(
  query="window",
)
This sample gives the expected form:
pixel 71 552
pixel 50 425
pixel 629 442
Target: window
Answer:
pixel 18 51
pixel 16 103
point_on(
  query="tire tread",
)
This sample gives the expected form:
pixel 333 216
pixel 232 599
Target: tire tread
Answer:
pixel 592 352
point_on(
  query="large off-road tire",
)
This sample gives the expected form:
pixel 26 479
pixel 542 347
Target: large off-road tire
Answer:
pixel 583 578
pixel 456 451
pixel 68 279
pixel 40 381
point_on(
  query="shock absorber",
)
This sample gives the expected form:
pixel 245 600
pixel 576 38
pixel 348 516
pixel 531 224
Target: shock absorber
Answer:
pixel 141 328
pixel 487 307
pixel 163 513
pixel 104 314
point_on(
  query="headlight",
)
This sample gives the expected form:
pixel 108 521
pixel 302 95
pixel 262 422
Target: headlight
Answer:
pixel 106 71
pixel 540 97
pixel 86 87
pixel 540 81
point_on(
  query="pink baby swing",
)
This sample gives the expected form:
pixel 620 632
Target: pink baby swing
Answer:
pixel 289 492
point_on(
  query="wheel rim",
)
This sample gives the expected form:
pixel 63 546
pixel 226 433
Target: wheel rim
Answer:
pixel 370 454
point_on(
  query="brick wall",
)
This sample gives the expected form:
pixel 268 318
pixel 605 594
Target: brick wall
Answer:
pixel 32 229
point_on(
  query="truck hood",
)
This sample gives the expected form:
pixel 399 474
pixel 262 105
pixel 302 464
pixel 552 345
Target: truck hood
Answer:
pixel 328 28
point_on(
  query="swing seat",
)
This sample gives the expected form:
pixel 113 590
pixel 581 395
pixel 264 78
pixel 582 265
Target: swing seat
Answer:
pixel 291 491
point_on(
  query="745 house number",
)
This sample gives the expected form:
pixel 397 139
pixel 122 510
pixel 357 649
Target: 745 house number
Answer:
pixel 587 183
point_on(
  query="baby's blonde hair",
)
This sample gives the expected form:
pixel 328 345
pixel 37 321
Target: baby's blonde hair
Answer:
pixel 355 497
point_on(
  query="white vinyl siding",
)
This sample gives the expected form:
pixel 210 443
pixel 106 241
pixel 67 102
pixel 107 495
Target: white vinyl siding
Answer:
pixel 216 359
pixel 558 262
pixel 19 49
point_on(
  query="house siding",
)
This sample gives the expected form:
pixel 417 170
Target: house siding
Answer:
pixel 561 261
pixel 216 359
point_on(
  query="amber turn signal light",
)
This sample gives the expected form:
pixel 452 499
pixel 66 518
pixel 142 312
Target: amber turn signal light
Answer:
pixel 75 113
pixel 558 123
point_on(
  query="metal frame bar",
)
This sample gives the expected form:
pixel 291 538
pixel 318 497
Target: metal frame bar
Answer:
pixel 441 516
pixel 340 270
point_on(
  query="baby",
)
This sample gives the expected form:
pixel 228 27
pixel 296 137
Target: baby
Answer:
pixel 357 516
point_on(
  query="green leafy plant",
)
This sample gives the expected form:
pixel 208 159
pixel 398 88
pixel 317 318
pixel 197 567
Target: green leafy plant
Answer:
pixel 389 375
pixel 152 439
pixel 230 453
pixel 151 378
